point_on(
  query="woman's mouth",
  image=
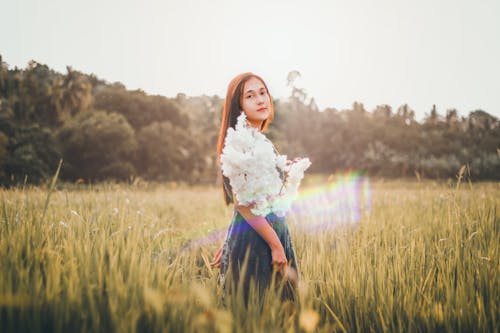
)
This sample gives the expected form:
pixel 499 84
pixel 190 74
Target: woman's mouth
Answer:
pixel 261 109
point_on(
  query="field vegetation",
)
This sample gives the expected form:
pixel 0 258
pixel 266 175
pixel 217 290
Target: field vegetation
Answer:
pixel 421 257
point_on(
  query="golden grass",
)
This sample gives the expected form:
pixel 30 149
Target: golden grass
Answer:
pixel 128 259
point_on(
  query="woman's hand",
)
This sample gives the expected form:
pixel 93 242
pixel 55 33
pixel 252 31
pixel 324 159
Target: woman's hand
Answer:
pixel 264 229
pixel 216 260
pixel 278 257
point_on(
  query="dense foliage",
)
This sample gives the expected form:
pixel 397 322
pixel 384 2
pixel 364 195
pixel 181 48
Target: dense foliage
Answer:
pixel 104 131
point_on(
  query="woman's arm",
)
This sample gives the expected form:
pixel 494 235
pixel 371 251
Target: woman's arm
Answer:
pixel 262 227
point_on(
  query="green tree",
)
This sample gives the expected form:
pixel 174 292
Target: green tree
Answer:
pixel 72 94
pixel 137 107
pixel 3 153
pixel 32 152
pixel 167 152
pixel 97 145
pixel 204 114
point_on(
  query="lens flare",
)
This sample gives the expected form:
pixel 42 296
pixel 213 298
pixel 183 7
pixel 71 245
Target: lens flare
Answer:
pixel 342 200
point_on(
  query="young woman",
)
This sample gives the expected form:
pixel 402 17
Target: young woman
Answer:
pixel 261 184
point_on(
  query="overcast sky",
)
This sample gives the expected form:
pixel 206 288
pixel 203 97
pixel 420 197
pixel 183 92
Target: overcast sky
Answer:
pixel 443 52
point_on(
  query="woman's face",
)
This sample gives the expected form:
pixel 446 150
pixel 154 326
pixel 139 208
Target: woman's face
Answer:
pixel 255 102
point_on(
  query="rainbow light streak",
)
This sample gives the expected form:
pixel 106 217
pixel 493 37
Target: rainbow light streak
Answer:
pixel 341 201
pixel 216 236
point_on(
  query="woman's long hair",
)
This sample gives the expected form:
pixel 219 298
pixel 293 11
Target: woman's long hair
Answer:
pixel 232 109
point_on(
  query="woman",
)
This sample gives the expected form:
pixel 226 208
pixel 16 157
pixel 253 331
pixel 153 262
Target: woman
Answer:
pixel 260 183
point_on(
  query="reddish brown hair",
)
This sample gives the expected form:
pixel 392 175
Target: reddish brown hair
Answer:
pixel 232 109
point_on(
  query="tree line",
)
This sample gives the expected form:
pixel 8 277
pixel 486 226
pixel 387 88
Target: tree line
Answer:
pixel 103 131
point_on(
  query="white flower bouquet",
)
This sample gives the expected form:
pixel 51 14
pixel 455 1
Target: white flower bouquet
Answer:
pixel 259 176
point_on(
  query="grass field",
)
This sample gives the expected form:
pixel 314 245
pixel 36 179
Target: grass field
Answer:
pixel 422 257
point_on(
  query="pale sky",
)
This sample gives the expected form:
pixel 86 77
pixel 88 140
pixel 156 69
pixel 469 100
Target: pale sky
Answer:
pixel 443 52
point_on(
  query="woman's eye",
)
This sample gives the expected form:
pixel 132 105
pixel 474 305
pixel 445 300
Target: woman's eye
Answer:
pixel 249 96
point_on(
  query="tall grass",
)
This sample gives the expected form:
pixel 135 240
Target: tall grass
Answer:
pixel 115 258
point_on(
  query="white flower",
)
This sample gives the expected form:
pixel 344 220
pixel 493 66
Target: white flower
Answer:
pixel 253 168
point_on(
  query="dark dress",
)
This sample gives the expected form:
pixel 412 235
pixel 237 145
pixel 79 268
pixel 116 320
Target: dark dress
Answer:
pixel 244 245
